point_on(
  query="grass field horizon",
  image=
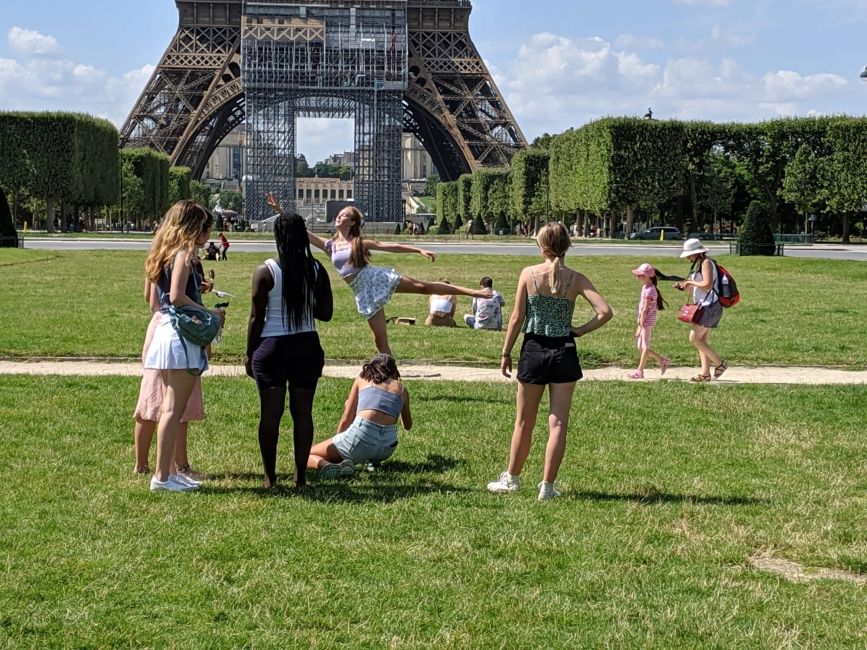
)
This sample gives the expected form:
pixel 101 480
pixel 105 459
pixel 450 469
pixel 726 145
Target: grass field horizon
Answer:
pixel 665 503
pixel 793 312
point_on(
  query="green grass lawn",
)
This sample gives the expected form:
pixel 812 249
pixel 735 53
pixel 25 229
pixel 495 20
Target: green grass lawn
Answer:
pixel 665 502
pixel 794 311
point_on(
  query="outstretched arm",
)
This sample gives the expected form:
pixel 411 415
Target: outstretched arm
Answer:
pixel 372 245
pixel 274 204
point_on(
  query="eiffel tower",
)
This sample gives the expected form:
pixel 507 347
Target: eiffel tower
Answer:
pixel 447 97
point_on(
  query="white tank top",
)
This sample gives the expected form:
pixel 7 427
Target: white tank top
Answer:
pixel 277 321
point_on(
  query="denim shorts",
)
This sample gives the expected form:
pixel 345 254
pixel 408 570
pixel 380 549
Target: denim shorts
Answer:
pixel 366 441
pixel 548 360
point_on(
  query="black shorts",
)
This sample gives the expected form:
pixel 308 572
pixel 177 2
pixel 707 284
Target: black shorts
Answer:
pixel 548 360
pixel 296 359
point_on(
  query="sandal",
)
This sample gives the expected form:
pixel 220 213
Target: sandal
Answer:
pixel 720 369
pixel 700 379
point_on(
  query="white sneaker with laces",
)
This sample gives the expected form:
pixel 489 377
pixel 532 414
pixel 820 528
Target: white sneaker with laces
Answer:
pixel 506 483
pixel 547 491
pixel 183 479
pixel 337 470
pixel 168 486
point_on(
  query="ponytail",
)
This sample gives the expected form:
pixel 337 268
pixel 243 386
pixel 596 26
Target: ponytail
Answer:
pixel 660 302
pixel 554 276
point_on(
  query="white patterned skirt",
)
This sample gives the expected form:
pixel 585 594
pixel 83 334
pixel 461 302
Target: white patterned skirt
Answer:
pixel 373 287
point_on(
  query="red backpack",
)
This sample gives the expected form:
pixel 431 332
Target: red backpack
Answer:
pixel 727 288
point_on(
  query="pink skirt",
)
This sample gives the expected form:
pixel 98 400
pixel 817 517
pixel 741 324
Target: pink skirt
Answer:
pixel 150 395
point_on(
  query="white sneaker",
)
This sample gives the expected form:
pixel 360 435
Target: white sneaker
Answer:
pixel 547 491
pixel 506 483
pixel 183 479
pixel 336 470
pixel 168 486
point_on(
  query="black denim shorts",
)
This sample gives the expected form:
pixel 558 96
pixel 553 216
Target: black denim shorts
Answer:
pixel 296 359
pixel 548 360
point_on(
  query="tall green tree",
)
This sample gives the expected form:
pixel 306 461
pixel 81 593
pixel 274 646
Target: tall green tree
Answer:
pixel 844 172
pixel 8 233
pixel 447 202
pixel 179 184
pixel 802 183
pixel 465 198
pixel 529 185
pixel 201 193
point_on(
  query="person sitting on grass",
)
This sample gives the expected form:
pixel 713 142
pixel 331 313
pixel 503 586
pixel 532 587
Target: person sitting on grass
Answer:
pixel 442 309
pixel 368 426
pixel 487 312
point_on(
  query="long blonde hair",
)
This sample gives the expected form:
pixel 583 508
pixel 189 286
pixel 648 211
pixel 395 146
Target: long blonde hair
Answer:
pixel 182 225
pixel 553 239
pixel 358 257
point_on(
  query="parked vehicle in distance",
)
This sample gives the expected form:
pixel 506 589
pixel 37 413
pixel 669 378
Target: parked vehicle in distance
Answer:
pixel 657 233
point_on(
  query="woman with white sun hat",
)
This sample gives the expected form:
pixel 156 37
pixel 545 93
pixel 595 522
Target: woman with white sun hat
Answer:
pixel 703 280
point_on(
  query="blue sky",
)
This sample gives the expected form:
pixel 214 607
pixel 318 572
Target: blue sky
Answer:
pixel 559 64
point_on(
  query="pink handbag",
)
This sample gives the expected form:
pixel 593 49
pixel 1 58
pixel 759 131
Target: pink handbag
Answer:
pixel 689 313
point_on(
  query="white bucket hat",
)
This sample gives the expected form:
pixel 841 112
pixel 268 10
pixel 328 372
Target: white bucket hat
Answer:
pixel 693 247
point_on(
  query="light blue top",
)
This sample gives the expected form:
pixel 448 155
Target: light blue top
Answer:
pixel 378 399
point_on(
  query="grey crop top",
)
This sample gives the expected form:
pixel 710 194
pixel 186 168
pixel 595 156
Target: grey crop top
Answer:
pixel 378 399
pixel 340 259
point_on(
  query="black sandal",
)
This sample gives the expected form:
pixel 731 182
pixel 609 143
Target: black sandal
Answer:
pixel 700 379
pixel 720 369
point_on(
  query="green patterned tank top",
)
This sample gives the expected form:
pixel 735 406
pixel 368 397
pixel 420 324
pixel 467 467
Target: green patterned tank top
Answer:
pixel 549 315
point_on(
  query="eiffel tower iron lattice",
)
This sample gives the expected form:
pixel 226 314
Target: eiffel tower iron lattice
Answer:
pixel 439 89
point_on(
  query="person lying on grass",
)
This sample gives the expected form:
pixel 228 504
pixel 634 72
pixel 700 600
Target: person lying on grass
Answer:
pixel 368 427
pixel 374 286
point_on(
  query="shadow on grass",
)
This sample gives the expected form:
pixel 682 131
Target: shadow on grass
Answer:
pixel 344 491
pixel 653 496
pixel 467 398
pixel 433 464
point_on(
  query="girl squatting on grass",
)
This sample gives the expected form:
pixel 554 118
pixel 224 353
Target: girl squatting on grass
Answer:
pixel 544 304
pixel 374 286
pixel 185 227
pixel 649 302
pixel 368 427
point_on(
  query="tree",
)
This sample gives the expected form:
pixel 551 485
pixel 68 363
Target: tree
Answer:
pixel 179 184
pixel 152 169
pixel 447 202
pixel 716 191
pixel 430 186
pixel 8 234
pixel 465 197
pixel 232 200
pixel 756 237
pixel 132 197
pixel 802 183
pixel 529 185
pixel 65 159
pixel 201 192
pixel 491 196
pixel 844 172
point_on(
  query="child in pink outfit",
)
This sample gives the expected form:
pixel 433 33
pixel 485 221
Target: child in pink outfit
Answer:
pixel 649 302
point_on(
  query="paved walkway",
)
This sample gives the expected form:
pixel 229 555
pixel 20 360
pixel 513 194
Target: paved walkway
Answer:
pixel 734 375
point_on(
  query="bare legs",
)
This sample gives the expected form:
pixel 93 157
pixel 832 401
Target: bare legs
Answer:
pixel 323 453
pixel 272 405
pixel 144 433
pixel 177 387
pixel 407 284
pixel 647 353
pixel 699 337
pixel 411 285
pixel 526 411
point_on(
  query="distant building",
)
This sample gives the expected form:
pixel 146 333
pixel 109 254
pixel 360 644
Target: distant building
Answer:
pixel 224 165
pixel 416 162
pixel 316 191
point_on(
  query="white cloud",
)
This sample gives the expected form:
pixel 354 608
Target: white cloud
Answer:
pixel 28 42
pixel 42 78
pixel 634 42
pixel 556 82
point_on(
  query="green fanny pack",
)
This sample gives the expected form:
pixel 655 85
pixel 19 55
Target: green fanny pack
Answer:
pixel 194 324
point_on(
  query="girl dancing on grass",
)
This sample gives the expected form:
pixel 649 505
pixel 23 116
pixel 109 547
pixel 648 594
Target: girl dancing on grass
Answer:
pixel 374 286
